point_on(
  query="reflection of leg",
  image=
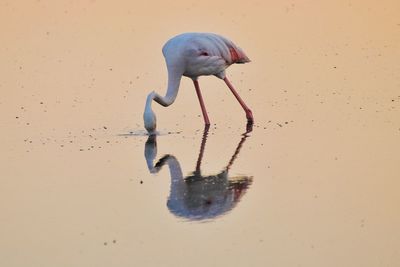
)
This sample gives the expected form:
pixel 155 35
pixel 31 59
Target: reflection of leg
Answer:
pixel 249 128
pixel 202 146
pixel 203 107
pixel 249 114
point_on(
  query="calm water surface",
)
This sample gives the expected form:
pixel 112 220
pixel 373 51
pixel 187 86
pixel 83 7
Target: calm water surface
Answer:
pixel 314 182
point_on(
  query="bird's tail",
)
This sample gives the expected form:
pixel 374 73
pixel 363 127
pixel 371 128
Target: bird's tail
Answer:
pixel 237 55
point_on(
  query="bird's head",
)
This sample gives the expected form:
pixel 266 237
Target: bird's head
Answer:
pixel 150 122
pixel 149 117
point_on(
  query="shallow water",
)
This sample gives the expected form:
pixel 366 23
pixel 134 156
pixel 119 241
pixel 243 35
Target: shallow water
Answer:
pixel 313 183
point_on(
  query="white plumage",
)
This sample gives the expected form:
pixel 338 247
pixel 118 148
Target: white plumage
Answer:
pixel 193 55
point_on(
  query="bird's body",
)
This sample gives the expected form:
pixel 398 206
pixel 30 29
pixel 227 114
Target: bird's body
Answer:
pixel 193 55
pixel 201 54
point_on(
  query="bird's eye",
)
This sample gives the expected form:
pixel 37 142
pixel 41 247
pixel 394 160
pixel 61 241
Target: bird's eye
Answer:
pixel 203 53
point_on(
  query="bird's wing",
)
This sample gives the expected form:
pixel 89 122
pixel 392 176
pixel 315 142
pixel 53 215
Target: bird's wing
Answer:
pixel 229 51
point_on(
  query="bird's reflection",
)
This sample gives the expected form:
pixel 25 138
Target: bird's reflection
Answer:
pixel 199 197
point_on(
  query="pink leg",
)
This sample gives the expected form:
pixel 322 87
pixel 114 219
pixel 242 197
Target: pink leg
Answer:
pixel 249 114
pixel 203 107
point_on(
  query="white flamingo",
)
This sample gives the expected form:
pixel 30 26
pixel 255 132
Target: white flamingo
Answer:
pixel 193 55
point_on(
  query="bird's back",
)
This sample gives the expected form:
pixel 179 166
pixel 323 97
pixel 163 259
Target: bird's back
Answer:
pixel 202 53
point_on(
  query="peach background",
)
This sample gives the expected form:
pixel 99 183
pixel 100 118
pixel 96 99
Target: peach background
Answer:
pixel 325 185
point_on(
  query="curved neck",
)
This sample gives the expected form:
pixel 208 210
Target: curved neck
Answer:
pixel 175 170
pixel 174 80
pixel 150 153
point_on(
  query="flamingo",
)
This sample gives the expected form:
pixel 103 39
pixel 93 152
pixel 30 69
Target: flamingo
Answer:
pixel 193 55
